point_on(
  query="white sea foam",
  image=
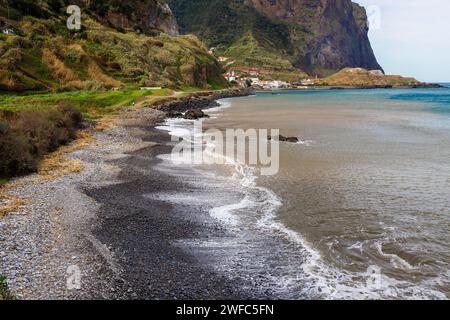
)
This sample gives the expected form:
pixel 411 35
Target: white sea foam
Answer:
pixel 395 260
pixel 317 277
pixel 223 104
pixel 176 127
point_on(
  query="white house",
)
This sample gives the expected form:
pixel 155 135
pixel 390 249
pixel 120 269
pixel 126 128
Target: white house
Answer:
pixel 376 72
pixel 7 30
pixel 150 88
pixel 307 82
pixel 276 84
pixel 230 76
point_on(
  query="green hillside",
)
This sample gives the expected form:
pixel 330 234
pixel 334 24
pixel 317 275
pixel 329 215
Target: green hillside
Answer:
pixel 316 36
pixel 238 32
pixel 42 54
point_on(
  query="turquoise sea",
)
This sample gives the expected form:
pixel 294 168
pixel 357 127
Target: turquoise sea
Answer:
pixel 360 209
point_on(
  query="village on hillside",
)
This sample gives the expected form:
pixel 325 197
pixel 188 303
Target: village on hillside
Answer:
pixel 260 79
pixel 253 78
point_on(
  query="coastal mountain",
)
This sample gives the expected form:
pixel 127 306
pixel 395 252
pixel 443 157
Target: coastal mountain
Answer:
pixel 319 37
pixel 121 43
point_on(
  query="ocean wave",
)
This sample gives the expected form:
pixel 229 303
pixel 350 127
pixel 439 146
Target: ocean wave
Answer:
pixel 307 273
pixel 223 104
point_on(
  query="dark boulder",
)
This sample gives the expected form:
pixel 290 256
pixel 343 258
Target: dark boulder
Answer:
pixel 174 114
pixel 291 139
pixel 285 139
pixel 194 114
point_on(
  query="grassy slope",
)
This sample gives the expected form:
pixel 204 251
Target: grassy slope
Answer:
pixel 45 55
pixel 4 291
pixel 45 69
pixel 240 33
pixel 91 103
pixel 227 24
pixel 247 52
pixel 34 125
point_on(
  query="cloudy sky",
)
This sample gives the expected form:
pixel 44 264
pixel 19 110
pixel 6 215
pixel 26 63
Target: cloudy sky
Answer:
pixel 411 37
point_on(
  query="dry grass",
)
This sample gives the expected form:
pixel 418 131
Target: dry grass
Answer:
pixel 52 167
pixel 61 72
pixel 97 74
pixel 57 164
pixel 12 204
pixel 84 139
pixel 5 79
pixel 106 123
pixel 9 203
pixel 94 70
pixel 6 82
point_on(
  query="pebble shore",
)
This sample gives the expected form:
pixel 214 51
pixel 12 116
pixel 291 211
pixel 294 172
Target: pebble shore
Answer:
pixel 97 221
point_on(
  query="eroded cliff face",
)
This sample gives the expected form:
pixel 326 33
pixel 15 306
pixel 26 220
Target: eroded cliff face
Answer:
pixel 148 16
pixel 144 15
pixel 337 32
pixel 317 36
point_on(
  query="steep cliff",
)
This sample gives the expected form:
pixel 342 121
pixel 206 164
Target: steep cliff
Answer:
pixel 317 36
pixel 144 15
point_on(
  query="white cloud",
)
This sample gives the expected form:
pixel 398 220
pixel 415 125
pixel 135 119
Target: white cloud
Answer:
pixel 413 38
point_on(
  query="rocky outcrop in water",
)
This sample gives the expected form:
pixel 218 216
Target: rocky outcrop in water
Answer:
pixel 282 138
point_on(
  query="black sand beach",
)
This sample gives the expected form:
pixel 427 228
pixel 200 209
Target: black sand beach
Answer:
pixel 143 231
pixel 100 220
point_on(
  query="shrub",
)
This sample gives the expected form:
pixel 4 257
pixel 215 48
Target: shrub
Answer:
pixel 4 290
pixel 94 85
pixel 20 42
pixel 27 136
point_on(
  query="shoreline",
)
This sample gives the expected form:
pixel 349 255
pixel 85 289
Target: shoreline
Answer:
pixel 126 224
pixel 352 87
pixel 99 221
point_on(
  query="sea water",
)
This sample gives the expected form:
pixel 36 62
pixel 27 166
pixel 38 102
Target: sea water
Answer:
pixel 361 210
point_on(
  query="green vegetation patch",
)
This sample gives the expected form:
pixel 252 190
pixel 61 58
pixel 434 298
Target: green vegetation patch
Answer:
pixel 5 294
pixel 91 103
pixel 44 55
pixel 248 52
pixel 27 136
